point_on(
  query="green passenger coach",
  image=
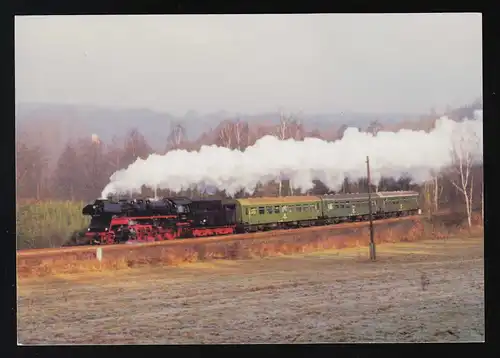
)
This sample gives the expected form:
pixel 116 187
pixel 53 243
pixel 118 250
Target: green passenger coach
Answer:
pixel 354 207
pixel 397 203
pixel 254 214
pixel 347 206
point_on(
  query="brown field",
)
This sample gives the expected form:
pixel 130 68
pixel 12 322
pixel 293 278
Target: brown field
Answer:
pixel 428 290
pixel 114 257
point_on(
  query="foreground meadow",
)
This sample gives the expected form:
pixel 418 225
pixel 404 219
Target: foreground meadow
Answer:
pixel 431 290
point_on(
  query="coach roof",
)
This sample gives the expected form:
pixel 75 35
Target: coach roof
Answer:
pixel 385 194
pixel 364 196
pixel 278 200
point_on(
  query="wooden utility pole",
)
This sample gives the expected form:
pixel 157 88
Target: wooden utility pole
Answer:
pixel 372 243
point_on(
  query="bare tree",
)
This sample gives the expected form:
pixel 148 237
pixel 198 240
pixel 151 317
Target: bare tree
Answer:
pixel 226 134
pixel 31 165
pixel 427 197
pixel 176 137
pixel 114 154
pixel 93 164
pixel 346 186
pixel 283 133
pixel 282 128
pixel 374 127
pixel 135 146
pixel 463 157
pixel 315 133
pixel 241 134
pixel 296 129
pixel 437 190
pixel 67 177
pixel 341 131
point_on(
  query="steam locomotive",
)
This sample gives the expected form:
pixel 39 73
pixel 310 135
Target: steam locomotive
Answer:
pixel 145 220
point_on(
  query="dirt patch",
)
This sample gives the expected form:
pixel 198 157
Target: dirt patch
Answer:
pixel 431 290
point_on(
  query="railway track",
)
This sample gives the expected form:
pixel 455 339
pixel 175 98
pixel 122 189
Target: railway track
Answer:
pixel 259 235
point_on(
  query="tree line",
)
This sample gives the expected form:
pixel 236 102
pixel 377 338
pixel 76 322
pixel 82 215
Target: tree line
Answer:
pixel 85 165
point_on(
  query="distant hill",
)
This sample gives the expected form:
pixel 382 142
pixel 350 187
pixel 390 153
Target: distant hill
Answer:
pixel 83 120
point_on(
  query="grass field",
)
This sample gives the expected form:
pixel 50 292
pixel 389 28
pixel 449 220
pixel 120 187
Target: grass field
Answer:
pixel 47 223
pixel 431 290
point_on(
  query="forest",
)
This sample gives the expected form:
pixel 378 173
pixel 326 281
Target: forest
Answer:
pixel 51 191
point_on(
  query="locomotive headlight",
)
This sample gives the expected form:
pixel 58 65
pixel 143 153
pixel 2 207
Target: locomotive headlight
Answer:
pixel 105 229
pixel 88 229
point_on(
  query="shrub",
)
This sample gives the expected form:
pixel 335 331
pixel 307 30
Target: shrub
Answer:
pixel 48 223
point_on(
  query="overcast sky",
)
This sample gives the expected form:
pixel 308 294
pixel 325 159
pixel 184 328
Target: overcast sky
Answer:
pixel 252 63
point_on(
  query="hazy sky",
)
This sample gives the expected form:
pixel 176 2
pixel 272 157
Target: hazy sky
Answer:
pixel 251 63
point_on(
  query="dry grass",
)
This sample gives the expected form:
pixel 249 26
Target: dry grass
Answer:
pixel 188 251
pixel 425 290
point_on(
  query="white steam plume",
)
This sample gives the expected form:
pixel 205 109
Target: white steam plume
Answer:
pixel 391 154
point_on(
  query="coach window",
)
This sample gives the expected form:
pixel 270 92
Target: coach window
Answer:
pixel 284 209
pixel 298 208
pixel 246 211
pixel 305 207
pixel 277 209
pixel 262 210
pixel 269 209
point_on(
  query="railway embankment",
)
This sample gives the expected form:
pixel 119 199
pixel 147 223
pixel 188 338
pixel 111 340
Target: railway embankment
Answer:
pixel 41 262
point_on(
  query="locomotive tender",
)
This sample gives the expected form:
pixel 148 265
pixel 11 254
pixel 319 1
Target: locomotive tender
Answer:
pixel 179 217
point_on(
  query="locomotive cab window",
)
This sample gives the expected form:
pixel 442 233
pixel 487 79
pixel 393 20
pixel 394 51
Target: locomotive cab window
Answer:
pixel 246 211
pixel 262 210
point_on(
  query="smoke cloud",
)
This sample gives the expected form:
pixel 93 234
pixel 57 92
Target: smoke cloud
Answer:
pixel 415 153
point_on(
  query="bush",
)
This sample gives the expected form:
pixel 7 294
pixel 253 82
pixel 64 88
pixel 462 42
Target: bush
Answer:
pixel 48 223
